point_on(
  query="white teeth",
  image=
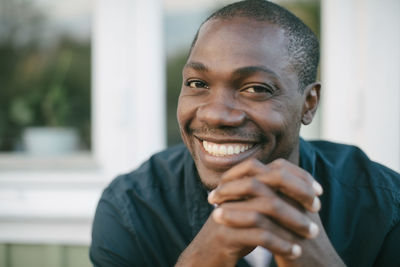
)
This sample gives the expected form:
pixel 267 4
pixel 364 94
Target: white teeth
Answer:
pixel 221 150
pixel 230 150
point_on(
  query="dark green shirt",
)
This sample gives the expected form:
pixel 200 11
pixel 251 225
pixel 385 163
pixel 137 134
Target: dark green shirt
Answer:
pixel 149 216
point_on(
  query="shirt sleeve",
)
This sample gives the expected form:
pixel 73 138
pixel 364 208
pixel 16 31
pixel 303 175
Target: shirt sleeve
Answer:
pixel 389 254
pixel 113 243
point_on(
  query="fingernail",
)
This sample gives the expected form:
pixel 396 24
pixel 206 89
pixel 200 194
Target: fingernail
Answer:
pixel 210 197
pixel 313 230
pixel 296 251
pixel 317 188
pixel 316 205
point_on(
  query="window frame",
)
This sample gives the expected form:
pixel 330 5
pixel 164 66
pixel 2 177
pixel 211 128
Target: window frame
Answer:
pixel 55 205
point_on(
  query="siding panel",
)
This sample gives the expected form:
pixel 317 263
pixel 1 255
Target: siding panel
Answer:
pixel 77 256
pixel 3 255
pixel 31 255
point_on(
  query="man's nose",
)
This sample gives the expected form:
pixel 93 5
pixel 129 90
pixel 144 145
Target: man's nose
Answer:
pixel 221 110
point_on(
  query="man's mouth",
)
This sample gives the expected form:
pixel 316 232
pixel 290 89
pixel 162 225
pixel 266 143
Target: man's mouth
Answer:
pixel 221 153
pixel 222 150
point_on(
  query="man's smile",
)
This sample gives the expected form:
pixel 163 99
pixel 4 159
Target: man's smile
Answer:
pixel 221 154
pixel 227 149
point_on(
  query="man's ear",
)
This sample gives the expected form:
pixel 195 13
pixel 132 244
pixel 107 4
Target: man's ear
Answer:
pixel 311 99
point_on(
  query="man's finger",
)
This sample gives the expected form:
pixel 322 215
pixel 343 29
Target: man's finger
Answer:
pixel 282 176
pixel 252 237
pixel 238 190
pixel 252 213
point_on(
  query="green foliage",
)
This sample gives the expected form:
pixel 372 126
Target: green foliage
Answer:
pixel 40 85
pixel 174 84
pixel 308 12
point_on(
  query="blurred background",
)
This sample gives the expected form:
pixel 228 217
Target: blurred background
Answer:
pixel 89 88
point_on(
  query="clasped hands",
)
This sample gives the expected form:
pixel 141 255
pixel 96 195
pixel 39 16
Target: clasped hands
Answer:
pixel 271 205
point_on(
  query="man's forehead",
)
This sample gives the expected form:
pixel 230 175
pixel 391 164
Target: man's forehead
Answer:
pixel 241 35
pixel 247 27
pixel 239 42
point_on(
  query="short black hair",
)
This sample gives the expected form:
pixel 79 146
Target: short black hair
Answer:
pixel 303 45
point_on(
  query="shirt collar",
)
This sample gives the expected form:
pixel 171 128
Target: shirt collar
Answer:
pixel 307 157
pixel 198 208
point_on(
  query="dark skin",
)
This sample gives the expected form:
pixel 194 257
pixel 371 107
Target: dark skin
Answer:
pixel 240 112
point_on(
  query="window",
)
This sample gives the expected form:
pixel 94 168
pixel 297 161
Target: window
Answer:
pixel 45 75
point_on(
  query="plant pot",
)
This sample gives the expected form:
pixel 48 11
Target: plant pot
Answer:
pixel 49 141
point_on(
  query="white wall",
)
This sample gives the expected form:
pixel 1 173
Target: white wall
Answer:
pixel 128 83
pixel 361 76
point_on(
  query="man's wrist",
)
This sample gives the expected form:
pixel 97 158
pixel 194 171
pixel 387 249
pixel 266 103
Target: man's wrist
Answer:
pixel 194 257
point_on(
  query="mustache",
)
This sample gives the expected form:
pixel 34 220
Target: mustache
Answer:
pixel 232 132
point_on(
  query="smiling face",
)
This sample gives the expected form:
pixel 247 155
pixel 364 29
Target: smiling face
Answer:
pixel 239 98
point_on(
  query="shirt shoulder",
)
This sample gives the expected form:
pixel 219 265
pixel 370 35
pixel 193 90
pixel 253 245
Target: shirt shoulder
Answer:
pixel 132 208
pixel 161 170
pixel 359 195
pixel 347 173
pixel 156 182
pixel 350 166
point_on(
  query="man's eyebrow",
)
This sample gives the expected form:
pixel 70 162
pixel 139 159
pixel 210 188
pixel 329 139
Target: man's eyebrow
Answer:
pixel 249 70
pixel 242 71
pixel 196 66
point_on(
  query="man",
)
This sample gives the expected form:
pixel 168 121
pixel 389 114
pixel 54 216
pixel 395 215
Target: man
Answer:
pixel 246 190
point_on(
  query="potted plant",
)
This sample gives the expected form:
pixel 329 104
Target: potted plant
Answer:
pixel 53 112
pixel 44 79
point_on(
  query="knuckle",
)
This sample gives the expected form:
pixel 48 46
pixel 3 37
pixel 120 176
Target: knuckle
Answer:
pixel 266 238
pixel 254 218
pixel 279 174
pixel 286 248
pixel 219 191
pixel 278 163
pixel 305 194
pixel 252 186
pixel 251 164
pixel 282 172
pixel 306 198
pixel 306 176
pixel 276 206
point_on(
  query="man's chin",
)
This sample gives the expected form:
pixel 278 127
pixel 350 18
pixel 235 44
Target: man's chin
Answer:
pixel 210 179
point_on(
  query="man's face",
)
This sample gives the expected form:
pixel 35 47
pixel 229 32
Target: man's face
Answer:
pixel 239 98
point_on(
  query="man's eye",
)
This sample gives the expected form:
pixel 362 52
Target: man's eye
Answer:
pixel 258 90
pixel 196 84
